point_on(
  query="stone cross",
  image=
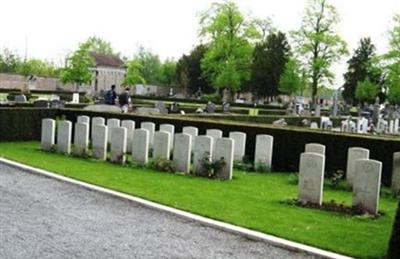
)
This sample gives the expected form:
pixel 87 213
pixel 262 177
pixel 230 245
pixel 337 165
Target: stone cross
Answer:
pixel 99 141
pixel 48 134
pixel 240 144
pixel 182 152
pixel 353 155
pixel 311 178
pixel 64 131
pixel 263 152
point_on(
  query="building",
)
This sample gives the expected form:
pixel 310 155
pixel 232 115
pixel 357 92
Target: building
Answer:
pixel 108 70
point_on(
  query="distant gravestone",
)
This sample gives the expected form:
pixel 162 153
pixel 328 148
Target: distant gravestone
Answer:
pixel 83 119
pixel 396 126
pixel 239 143
pixel 161 107
pixel 99 141
pixel 315 148
pixel 314 125
pixel 210 107
pixel 57 104
pixel 97 121
pixel 171 130
pixel 263 152
pixel 224 149
pixel 147 111
pixel 161 148
pixel 362 125
pixel 311 178
pixel 353 155
pixel 396 173
pixel 214 133
pixel 317 110
pixel 64 131
pixel 118 145
pixel 280 122
pixel 151 127
pixel 226 107
pixel 366 185
pixel 81 138
pixel 48 134
pixel 202 147
pixel 192 131
pixel 182 152
pixel 130 127
pixel 140 146
pixel 103 108
pixel 111 124
pixel 20 98
pixel 41 104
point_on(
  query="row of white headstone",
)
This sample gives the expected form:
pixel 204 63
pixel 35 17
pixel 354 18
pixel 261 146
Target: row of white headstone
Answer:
pixel 124 138
pixel 362 174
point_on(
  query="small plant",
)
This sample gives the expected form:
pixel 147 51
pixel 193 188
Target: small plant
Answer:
pixel 261 167
pixel 293 178
pixel 163 165
pixel 211 167
pixel 336 177
pixel 241 165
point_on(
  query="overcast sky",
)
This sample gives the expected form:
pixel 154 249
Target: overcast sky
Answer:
pixel 52 28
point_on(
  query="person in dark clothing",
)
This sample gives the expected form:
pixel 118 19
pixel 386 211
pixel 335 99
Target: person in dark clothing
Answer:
pixel 124 100
pixel 110 96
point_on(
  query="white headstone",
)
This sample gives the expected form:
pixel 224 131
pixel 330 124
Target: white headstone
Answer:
pixel 311 177
pixel 97 121
pixel 214 133
pixel 64 131
pixel 314 125
pixel 240 144
pixel 151 127
pixel 140 146
pixel 362 125
pixel 202 147
pixel 75 98
pixel 182 152
pixel 99 141
pixel 192 131
pixel 161 148
pixel 48 134
pixel 81 138
pixel 224 148
pixel 118 145
pixel 391 126
pixel 396 173
pixel 111 124
pixel 396 126
pixel 171 130
pixel 315 148
pixel 130 127
pixel 83 119
pixel 354 154
pixel 263 153
pixel 366 185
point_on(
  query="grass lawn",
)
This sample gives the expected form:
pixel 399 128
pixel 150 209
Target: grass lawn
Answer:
pixel 251 200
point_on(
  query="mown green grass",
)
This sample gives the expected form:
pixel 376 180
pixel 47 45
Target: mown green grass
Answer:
pixel 251 200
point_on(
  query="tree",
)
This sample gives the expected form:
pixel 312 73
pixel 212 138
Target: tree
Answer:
pixel 168 73
pixel 100 46
pixel 77 69
pixel 133 75
pixel 291 81
pixel 269 61
pixel 227 60
pixel 318 44
pixel 360 66
pixel 37 67
pixel 366 91
pixel 392 59
pixel 9 61
pixel 150 66
pixel 189 73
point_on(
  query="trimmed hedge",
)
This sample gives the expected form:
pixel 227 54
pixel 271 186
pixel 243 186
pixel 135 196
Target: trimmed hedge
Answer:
pixel 289 142
pixel 394 244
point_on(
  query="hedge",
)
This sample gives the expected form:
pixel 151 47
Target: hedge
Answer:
pixel 394 244
pixel 289 142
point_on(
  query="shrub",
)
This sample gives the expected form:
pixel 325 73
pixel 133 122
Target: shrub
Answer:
pixel 163 165
pixel 215 98
pixel 212 167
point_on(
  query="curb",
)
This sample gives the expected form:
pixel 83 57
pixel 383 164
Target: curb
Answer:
pixel 251 234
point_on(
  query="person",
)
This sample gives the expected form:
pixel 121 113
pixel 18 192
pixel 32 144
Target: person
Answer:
pixel 124 100
pixel 110 96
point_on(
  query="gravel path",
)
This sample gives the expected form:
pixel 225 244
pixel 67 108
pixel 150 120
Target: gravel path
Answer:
pixel 45 218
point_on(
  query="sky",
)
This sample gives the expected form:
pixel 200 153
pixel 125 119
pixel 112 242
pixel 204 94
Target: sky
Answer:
pixel 50 29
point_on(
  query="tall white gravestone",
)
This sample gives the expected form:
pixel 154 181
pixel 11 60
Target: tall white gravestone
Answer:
pixel 354 154
pixel 224 148
pixel 140 146
pixel 240 144
pixel 202 147
pixel 48 134
pixel 96 121
pixel 396 173
pixel 64 131
pixel 192 131
pixel 367 184
pixel 81 138
pixel 182 152
pixel 99 143
pixel 151 127
pixel 161 148
pixel 118 145
pixel 111 124
pixel 171 130
pixel 315 148
pixel 311 177
pixel 83 119
pixel 130 127
pixel 263 152
pixel 214 133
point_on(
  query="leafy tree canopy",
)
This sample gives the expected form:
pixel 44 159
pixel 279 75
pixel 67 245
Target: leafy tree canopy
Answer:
pixel 98 45
pixel 366 91
pixel 133 75
pixel 291 81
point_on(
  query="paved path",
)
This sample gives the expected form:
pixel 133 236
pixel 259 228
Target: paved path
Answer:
pixel 45 218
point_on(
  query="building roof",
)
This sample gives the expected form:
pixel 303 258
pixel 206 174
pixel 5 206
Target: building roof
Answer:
pixel 107 60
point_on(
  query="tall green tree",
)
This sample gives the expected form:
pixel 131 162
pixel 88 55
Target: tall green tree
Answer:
pixel 360 66
pixel 291 81
pixel 318 43
pixel 9 61
pixel 392 58
pixel 98 45
pixel 190 74
pixel 367 91
pixel 150 66
pixel 133 74
pixel 77 69
pixel 269 61
pixel 228 58
pixel 168 73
